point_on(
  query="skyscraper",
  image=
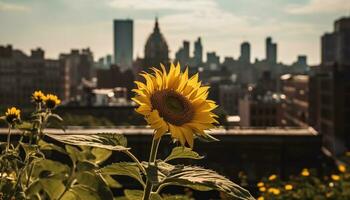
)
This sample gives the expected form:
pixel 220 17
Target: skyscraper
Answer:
pixel 198 52
pixel 245 52
pixel 271 51
pixel 123 43
pixel 183 54
pixel 336 45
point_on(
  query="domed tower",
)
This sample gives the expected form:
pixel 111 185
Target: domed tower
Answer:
pixel 156 49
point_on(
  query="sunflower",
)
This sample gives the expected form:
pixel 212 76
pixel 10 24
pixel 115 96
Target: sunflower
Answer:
pixel 52 101
pixel 38 96
pixel 176 103
pixel 12 115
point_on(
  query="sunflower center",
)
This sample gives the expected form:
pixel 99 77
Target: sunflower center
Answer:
pixel 172 107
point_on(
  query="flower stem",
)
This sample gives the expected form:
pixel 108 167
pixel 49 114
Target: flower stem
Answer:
pixel 8 139
pixel 127 152
pixel 152 159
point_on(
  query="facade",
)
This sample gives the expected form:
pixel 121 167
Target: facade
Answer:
pixel 296 107
pixel 260 111
pixel 123 43
pixel 271 51
pixel 245 52
pixel 79 65
pixel 156 49
pixel 229 96
pixel 21 75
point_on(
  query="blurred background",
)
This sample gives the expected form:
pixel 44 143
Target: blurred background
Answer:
pixel 279 71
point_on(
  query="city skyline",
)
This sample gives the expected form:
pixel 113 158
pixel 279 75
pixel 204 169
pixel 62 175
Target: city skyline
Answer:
pixel 223 25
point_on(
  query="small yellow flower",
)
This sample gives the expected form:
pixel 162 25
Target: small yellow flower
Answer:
pixel 342 168
pixel 260 184
pixel 38 96
pixel 52 101
pixel 262 189
pixel 288 187
pixel 260 198
pixel 274 191
pixel 272 177
pixel 335 177
pixel 305 172
pixel 12 115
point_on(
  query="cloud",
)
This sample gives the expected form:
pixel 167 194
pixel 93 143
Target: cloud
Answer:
pixel 161 4
pixel 9 7
pixel 320 6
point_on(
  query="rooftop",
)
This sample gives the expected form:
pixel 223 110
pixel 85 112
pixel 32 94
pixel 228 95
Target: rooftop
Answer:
pixel 138 130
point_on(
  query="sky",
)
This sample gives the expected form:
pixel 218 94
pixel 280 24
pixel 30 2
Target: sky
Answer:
pixel 60 25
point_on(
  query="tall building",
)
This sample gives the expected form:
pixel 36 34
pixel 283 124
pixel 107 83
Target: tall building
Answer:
pixel 333 86
pixel 156 49
pixel 336 45
pixel 271 51
pixel 79 65
pixel 198 52
pixel 245 52
pixel 213 61
pixel 123 43
pixel 183 54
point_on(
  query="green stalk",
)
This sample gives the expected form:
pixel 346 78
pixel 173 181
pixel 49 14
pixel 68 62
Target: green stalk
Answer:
pixel 152 159
pixel 8 139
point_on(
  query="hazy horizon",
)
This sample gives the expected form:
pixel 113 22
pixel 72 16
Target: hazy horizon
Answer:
pixel 58 26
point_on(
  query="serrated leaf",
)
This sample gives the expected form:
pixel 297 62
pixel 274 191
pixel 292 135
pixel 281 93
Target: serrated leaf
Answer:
pixel 202 179
pixel 51 166
pixel 176 197
pixel 94 181
pixel 114 142
pixel 123 169
pixel 110 181
pixel 138 194
pixel 85 193
pixel 53 187
pixel 49 147
pixel 183 152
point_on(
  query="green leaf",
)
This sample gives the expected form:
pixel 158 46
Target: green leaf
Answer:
pixel 53 167
pixel 183 152
pixel 108 141
pixel 111 182
pixel 207 138
pixel 176 197
pixel 94 181
pixel 53 187
pixel 138 194
pixel 50 147
pixel 101 155
pixel 203 179
pixel 85 193
pixel 28 149
pixel 69 195
pixel 123 169
pixel 24 126
pixel 55 116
